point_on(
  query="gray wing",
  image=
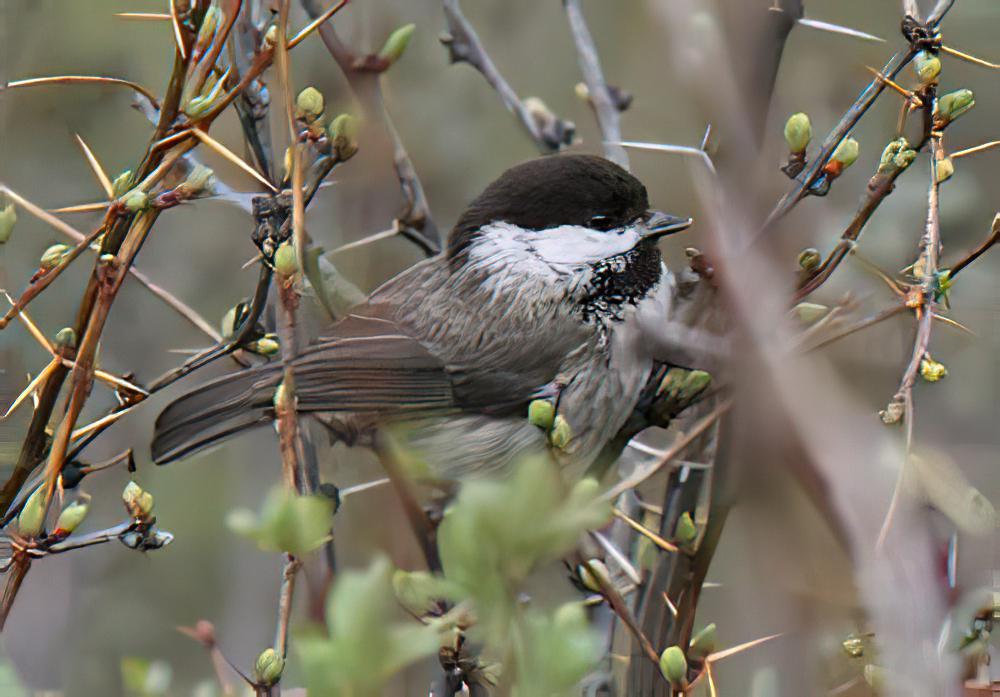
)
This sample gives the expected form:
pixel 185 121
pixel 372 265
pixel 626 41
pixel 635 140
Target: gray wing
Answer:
pixel 368 365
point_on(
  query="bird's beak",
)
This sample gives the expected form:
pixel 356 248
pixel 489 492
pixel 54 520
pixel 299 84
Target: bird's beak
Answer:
pixel 659 224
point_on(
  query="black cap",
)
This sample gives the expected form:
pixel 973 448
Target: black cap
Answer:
pixel 551 191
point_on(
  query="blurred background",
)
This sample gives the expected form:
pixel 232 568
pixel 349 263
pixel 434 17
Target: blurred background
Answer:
pixel 778 568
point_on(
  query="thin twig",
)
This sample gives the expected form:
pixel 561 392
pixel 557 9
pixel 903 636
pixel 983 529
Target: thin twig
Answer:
pixel 605 109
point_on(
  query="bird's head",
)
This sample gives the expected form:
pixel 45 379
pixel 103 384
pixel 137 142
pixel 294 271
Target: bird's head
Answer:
pixel 564 210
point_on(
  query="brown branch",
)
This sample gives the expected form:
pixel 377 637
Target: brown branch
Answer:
pixel 415 222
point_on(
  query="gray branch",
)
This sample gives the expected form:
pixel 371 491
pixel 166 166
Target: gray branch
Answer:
pixel 605 107
pixel 549 132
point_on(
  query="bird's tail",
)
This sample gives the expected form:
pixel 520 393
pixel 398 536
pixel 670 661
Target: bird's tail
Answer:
pixel 215 411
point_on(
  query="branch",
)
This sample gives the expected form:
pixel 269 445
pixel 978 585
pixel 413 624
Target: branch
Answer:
pixel 605 108
pixel 549 132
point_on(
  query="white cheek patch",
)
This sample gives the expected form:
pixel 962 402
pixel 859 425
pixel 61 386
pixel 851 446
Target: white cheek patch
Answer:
pixel 567 245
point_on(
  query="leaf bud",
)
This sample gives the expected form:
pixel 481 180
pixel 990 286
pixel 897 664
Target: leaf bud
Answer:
pixel 65 338
pixel 846 153
pixel 138 503
pixel 135 200
pixel 8 217
pixel 121 184
pixel 810 312
pixel 541 413
pixel 798 132
pixel 396 44
pixel 931 370
pixel 52 256
pixel 268 345
pixel 342 133
pixel 268 667
pixel 953 105
pixel 897 156
pixel 285 262
pixel 70 518
pixel 309 104
pixel 927 66
pixel 943 169
pixel 561 434
pixel 703 643
pixel 686 531
pixel 592 574
pixel 809 259
pixel 673 665
pixel 31 519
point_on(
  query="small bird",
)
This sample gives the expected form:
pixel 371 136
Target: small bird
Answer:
pixel 551 288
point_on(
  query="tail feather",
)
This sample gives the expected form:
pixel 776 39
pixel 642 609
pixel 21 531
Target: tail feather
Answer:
pixel 214 412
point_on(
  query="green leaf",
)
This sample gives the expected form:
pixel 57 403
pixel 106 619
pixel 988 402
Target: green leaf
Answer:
pixel 555 652
pixel 365 646
pixel 287 523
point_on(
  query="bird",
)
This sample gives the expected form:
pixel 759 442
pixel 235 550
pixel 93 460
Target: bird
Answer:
pixel 550 287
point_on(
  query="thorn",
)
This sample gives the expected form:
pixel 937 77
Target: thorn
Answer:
pixel 176 24
pixel 645 532
pixel 313 25
pixel 913 98
pixel 231 156
pixel 82 208
pixel 619 558
pixel 675 149
pixel 95 167
pixel 978 148
pixel 970 58
pixel 32 385
pixel 739 648
pixel 838 29
pixel 358 488
pixel 149 16
pixel 953 323
pixel 384 235
pixel 84 79
pixel 100 423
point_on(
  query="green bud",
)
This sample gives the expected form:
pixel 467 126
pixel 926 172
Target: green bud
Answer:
pixel 198 181
pixel 703 643
pixel 268 668
pixel 309 105
pixel 396 44
pixel 414 590
pixel 71 517
pixel 686 531
pixel 121 184
pixel 8 217
pixel 931 370
pixel 846 153
pixel 897 156
pixel 206 32
pixel 65 338
pixel 541 413
pixel 271 36
pixel 590 572
pixel 798 132
pixel 343 133
pixel 810 259
pixel 944 169
pixel 135 200
pixel 138 503
pixel 854 646
pixel 696 382
pixel 52 256
pixel 674 666
pixel 582 92
pixel 31 519
pixel 810 312
pixel 953 105
pixel 285 262
pixel 268 345
pixel 928 66
pixel 561 434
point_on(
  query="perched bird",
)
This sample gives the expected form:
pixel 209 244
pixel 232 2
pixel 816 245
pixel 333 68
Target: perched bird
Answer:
pixel 551 288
